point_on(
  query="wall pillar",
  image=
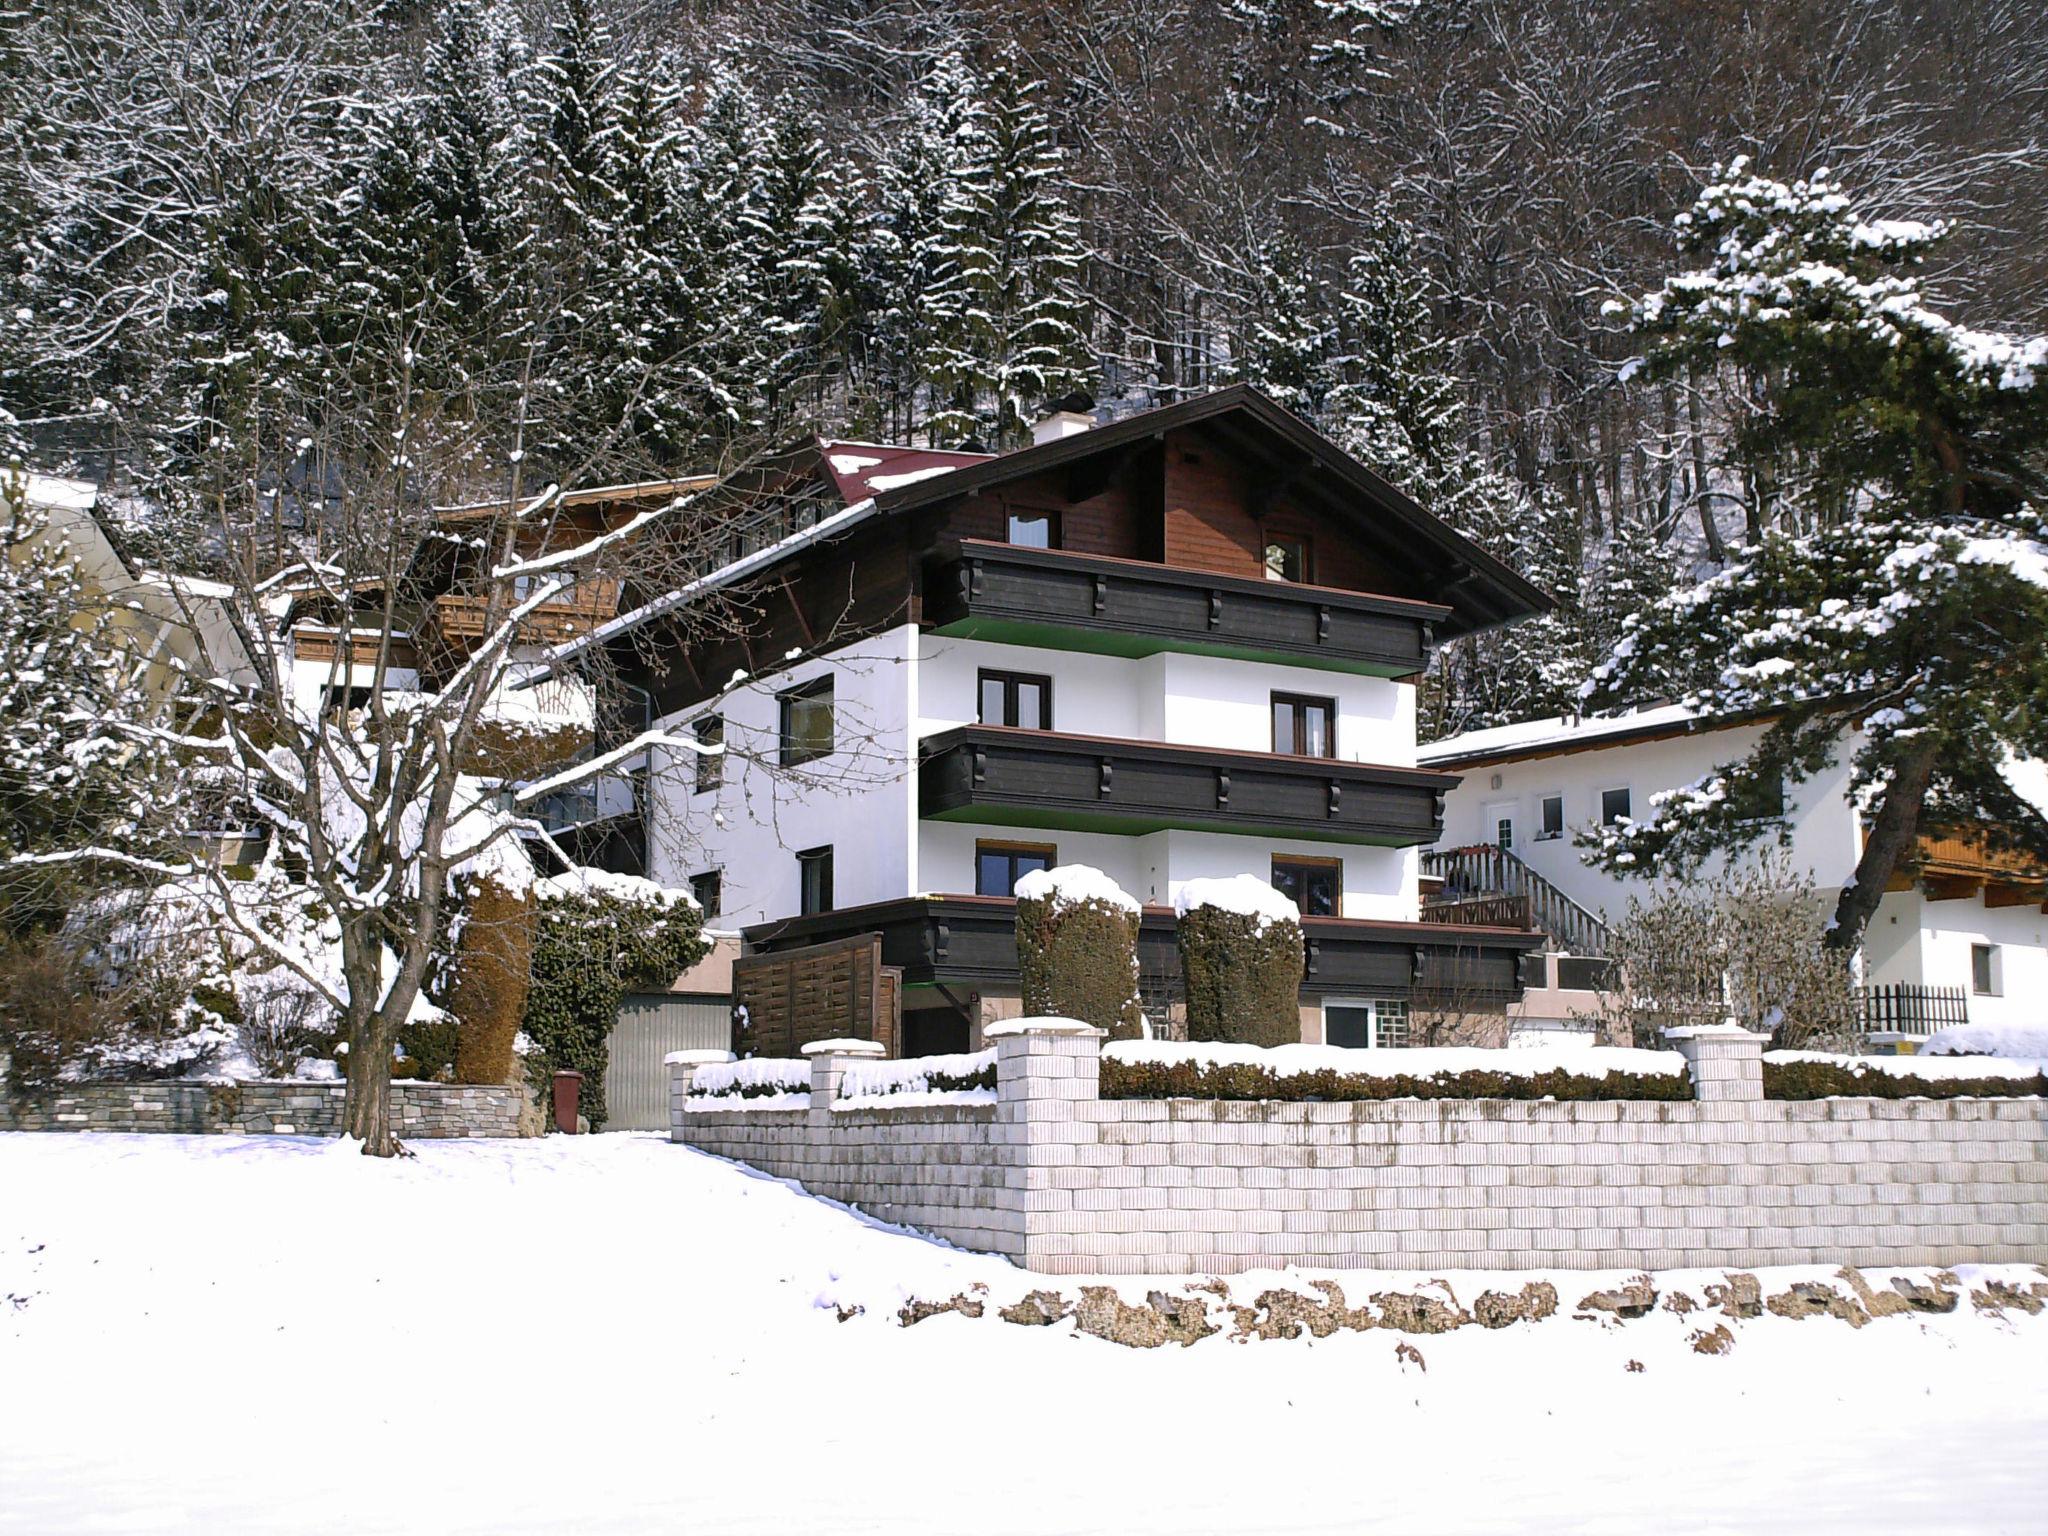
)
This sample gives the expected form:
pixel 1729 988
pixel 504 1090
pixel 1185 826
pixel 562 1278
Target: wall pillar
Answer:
pixel 682 1070
pixel 829 1060
pixel 1726 1062
pixel 1048 1082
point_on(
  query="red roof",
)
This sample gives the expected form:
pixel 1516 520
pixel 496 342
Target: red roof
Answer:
pixel 861 470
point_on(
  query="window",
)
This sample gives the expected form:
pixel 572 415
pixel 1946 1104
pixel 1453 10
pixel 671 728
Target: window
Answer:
pixel 1286 558
pixel 1984 970
pixel 1304 727
pixel 1763 799
pixel 1034 529
pixel 1016 698
pixel 1550 818
pixel 1379 1023
pixel 814 880
pixel 1315 886
pixel 1613 806
pixel 710 732
pixel 999 866
pixel 807 722
pixel 709 889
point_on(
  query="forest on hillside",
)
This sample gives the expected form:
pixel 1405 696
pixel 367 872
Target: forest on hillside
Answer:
pixel 608 240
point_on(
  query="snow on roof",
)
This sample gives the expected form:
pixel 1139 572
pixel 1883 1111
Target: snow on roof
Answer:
pixel 60 494
pixel 861 470
pixel 1560 733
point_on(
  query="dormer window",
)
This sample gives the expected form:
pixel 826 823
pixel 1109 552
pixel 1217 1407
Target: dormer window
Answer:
pixel 1286 558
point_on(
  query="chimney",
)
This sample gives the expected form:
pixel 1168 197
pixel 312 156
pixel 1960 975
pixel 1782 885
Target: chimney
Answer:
pixel 1063 418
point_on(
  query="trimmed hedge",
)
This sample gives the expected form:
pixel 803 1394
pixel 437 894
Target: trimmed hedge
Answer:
pixel 1803 1080
pixel 1079 960
pixel 1199 1080
pixel 937 1082
pixel 1243 977
pixel 493 958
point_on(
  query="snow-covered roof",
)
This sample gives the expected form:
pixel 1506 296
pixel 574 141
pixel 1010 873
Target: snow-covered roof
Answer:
pixel 1565 733
pixel 862 470
pixel 60 494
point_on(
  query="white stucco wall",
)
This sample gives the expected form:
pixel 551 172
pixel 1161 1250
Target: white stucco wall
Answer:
pixel 1914 939
pixel 861 799
pixel 1198 701
pixel 1825 843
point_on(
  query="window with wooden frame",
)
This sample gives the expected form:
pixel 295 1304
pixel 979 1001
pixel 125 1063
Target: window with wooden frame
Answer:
pixel 710 733
pixel 1304 726
pixel 1016 698
pixel 814 880
pixel 1033 527
pixel 806 722
pixel 1287 557
pixel 998 866
pixel 1315 886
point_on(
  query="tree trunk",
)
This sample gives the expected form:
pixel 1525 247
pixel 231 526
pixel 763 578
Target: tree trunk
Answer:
pixel 372 1035
pixel 1889 840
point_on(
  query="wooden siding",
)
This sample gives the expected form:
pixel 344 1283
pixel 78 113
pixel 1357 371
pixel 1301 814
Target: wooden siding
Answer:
pixel 1210 524
pixel 832 991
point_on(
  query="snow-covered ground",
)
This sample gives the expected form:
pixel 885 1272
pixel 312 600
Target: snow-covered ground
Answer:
pixel 615 1335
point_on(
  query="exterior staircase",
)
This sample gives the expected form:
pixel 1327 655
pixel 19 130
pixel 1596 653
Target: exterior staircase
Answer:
pixel 1485 884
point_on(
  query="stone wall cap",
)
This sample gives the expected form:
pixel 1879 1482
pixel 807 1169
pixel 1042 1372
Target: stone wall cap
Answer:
pixel 845 1048
pixel 697 1058
pixel 1730 1031
pixel 1044 1024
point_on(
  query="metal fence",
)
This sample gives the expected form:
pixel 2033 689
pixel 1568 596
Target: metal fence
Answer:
pixel 1906 1008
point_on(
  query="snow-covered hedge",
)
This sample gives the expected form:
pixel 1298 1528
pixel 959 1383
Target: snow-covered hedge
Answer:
pixel 962 1079
pixel 1146 1069
pixel 1820 1075
pixel 1077 948
pixel 1241 957
pixel 754 1078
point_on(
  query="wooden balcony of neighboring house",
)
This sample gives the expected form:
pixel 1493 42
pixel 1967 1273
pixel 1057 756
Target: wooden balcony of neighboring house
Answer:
pixel 326 642
pixel 456 620
pixel 1010 776
pixel 1489 886
pixel 1957 864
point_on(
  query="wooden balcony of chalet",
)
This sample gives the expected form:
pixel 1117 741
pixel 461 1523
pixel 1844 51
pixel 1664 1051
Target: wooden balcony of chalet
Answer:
pixel 1117 607
pixel 1951 864
pixel 1009 776
pixel 455 621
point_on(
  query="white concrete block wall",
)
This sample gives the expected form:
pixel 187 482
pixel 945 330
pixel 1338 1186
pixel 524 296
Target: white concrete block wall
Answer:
pixel 1065 1182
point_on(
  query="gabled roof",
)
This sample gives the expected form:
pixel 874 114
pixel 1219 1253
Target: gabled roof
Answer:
pixel 1562 735
pixel 1480 590
pixel 878 480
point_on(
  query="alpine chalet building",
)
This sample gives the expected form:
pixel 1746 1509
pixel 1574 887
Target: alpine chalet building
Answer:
pixel 1180 645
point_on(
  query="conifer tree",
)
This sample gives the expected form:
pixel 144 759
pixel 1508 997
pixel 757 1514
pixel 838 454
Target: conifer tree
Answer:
pixel 1291 348
pixel 1905 628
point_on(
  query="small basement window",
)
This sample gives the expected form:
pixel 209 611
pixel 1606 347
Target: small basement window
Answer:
pixel 1613 806
pixel 1378 1023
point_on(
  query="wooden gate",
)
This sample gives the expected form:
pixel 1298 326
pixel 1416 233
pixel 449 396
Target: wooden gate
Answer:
pixel 840 990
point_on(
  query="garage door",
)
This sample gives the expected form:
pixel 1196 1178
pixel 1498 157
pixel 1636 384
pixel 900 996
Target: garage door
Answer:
pixel 650 1025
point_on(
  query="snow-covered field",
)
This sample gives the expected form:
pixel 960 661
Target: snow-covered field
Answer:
pixel 615 1335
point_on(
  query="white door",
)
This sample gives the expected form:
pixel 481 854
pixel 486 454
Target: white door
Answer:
pixel 1500 824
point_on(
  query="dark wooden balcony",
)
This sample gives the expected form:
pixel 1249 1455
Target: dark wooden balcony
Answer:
pixel 1118 607
pixel 971 941
pixel 1020 778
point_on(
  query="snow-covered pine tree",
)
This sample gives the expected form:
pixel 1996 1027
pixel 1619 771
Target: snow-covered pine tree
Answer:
pixel 1905 627
pixel 809 264
pixel 1290 347
pixel 1396 405
pixel 919 363
pixel 1021 254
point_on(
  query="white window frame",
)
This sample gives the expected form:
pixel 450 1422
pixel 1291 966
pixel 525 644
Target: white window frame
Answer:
pixel 1540 835
pixel 1995 969
pixel 1600 802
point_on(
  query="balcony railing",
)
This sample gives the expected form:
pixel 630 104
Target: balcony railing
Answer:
pixel 1137 608
pixel 458 616
pixel 1479 882
pixel 1013 777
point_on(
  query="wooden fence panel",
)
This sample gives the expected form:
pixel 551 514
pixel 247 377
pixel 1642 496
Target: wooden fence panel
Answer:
pixel 837 990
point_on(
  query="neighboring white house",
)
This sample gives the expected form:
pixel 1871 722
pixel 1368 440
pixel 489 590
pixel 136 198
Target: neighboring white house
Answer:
pixel 1176 647
pixel 1972 921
